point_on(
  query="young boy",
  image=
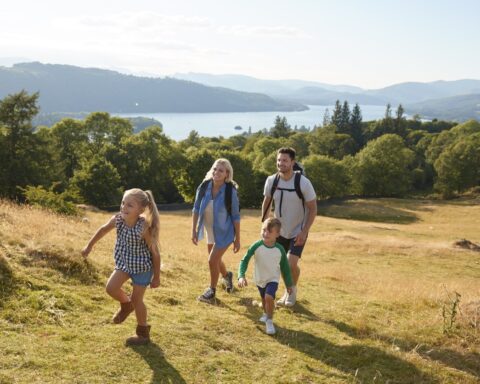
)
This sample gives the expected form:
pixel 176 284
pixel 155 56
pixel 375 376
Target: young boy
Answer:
pixel 270 260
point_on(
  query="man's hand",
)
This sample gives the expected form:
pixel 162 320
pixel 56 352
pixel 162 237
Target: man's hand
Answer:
pixel 301 238
pixel 242 282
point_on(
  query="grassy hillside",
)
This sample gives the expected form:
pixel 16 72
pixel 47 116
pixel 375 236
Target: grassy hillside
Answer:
pixel 377 288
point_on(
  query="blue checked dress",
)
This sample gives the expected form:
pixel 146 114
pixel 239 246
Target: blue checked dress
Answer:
pixel 131 251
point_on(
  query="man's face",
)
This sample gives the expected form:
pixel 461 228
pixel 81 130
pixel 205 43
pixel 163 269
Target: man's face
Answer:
pixel 284 163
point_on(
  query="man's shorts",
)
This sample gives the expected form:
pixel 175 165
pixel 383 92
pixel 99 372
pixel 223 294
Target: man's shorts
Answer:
pixel 290 247
pixel 142 278
pixel 269 289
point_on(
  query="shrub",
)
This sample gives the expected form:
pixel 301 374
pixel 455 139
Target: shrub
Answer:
pixel 56 202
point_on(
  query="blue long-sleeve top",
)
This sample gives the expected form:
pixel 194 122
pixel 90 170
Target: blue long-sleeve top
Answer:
pixel 223 229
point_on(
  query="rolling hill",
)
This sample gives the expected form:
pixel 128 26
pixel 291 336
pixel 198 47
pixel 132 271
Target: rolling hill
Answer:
pixel 65 88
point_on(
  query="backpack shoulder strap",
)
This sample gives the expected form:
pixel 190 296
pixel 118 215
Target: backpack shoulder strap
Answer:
pixel 274 185
pixel 298 190
pixel 272 191
pixel 228 197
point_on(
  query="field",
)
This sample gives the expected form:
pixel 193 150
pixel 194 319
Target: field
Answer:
pixel 384 297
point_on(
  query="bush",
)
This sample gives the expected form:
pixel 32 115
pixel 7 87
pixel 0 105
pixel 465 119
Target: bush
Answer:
pixel 329 176
pixel 56 202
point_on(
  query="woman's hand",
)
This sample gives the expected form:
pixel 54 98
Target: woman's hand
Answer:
pixel 242 282
pixel 194 237
pixel 236 245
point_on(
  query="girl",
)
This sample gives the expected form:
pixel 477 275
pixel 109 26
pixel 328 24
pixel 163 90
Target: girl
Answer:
pixel 137 257
pixel 216 209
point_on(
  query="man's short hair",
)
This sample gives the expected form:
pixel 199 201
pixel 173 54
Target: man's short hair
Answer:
pixel 273 222
pixel 288 150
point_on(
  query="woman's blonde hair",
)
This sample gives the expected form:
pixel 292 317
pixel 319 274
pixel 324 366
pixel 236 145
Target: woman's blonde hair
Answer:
pixel 227 165
pixel 146 200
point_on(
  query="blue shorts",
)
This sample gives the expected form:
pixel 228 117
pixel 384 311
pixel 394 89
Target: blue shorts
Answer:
pixel 290 247
pixel 270 289
pixel 142 278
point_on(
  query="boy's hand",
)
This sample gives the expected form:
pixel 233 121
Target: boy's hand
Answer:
pixel 86 251
pixel 155 283
pixel 289 290
pixel 242 282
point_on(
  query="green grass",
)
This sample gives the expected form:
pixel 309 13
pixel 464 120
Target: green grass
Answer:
pixel 370 303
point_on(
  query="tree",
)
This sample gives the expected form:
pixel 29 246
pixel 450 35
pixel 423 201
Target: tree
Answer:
pixel 192 171
pixel 344 126
pixel 458 166
pixel 336 145
pixel 356 125
pixel 328 176
pixel 383 167
pixel 281 128
pixel 98 182
pixel 70 139
pixel 337 115
pixel 18 143
pixel 326 118
pixel 400 122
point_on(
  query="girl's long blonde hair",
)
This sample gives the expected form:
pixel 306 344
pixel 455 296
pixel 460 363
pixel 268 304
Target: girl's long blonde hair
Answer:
pixel 146 200
pixel 226 163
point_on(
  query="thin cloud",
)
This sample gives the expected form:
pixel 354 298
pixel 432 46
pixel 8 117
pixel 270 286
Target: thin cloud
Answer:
pixel 265 31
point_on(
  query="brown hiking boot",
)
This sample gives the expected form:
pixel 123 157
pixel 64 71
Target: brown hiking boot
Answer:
pixel 123 312
pixel 142 338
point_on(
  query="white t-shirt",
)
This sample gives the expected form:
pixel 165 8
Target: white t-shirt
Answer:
pixel 292 214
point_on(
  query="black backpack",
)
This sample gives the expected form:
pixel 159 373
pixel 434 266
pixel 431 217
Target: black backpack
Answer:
pixel 228 194
pixel 298 171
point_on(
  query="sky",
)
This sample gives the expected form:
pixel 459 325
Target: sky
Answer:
pixel 367 43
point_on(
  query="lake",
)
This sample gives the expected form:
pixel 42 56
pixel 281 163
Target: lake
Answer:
pixel 178 125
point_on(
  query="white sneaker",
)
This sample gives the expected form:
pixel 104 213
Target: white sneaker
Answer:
pixel 291 298
pixel 281 301
pixel 264 318
pixel 270 328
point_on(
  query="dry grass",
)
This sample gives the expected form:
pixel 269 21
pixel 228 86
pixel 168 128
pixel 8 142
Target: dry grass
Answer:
pixel 370 308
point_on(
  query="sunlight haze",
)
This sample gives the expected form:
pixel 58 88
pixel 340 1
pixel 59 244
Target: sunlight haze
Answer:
pixel 370 44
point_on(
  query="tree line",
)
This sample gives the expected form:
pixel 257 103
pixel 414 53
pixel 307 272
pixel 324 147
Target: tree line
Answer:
pixel 93 160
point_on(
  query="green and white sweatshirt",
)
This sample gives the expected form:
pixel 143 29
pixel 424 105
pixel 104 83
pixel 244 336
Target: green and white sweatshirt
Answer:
pixel 269 263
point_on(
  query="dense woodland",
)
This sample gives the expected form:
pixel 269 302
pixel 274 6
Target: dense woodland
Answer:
pixel 93 160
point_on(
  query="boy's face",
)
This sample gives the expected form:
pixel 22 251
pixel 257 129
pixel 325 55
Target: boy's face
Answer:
pixel 270 236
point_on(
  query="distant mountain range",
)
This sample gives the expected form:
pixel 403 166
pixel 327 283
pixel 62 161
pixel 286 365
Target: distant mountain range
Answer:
pixel 66 88
pixel 439 99
pixel 455 108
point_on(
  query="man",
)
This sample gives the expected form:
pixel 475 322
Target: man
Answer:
pixel 296 207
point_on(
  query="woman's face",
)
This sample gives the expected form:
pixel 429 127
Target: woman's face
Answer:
pixel 220 172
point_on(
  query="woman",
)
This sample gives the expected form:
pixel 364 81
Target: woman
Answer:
pixel 216 210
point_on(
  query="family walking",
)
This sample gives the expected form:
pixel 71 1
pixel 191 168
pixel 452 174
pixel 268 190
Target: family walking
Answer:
pixel 216 217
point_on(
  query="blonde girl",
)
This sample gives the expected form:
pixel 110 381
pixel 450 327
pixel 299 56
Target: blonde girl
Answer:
pixel 136 255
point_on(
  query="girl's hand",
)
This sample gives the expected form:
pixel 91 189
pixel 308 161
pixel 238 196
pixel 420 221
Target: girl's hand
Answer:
pixel 86 251
pixel 155 283
pixel 236 245
pixel 242 282
pixel 194 237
